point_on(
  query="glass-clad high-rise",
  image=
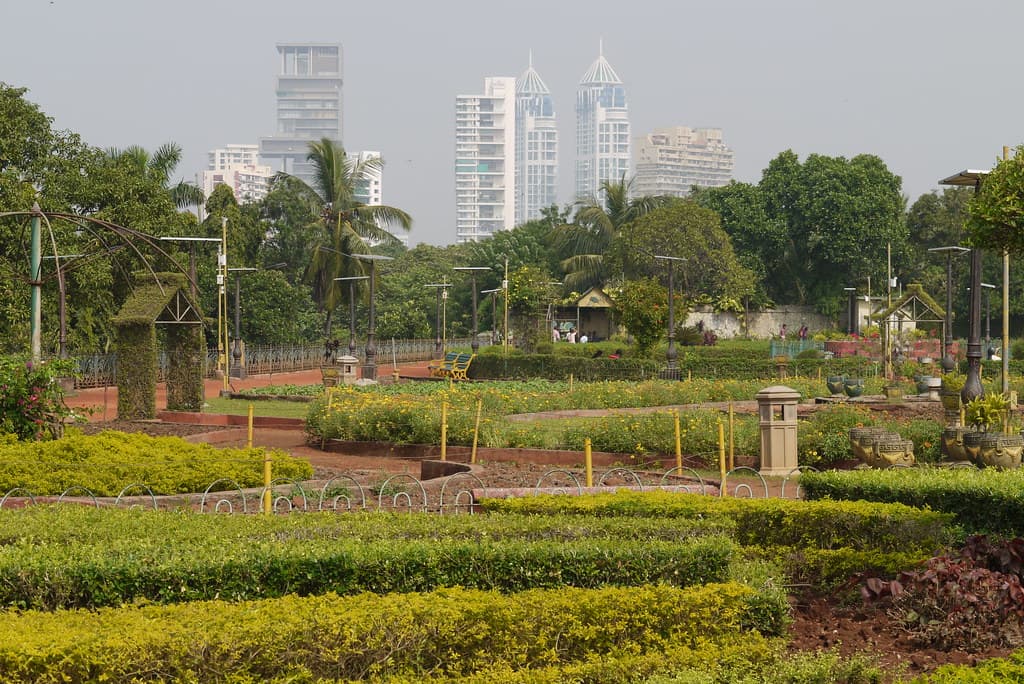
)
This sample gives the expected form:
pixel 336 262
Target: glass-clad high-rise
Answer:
pixel 536 147
pixel 602 129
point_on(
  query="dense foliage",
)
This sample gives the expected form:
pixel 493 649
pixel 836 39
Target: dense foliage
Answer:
pixel 32 398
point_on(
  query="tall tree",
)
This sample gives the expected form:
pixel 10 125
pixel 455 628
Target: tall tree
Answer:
pixel 597 222
pixel 345 226
pixel 997 210
pixel 159 166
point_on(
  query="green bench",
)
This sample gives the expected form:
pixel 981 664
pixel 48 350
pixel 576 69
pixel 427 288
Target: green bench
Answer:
pixel 454 366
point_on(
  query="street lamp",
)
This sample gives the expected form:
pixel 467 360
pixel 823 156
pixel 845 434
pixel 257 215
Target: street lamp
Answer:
pixel 237 368
pixel 851 310
pixel 352 311
pixel 670 355
pixel 440 313
pixel 472 271
pixel 972 386
pixel 948 363
pixel 370 369
pixel 494 312
pixel 988 317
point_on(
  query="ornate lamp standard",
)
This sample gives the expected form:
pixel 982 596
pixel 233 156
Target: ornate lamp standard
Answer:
pixel 472 271
pixel 948 363
pixel 494 312
pixel 851 309
pixel 370 369
pixel 352 311
pixel 972 386
pixel 441 290
pixel 670 355
pixel 237 369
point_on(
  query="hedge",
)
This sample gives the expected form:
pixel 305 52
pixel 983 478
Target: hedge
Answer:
pixel 981 501
pixel 450 632
pixel 766 522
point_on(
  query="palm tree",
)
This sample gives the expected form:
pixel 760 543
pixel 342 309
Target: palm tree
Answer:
pixel 586 240
pixel 159 166
pixel 344 226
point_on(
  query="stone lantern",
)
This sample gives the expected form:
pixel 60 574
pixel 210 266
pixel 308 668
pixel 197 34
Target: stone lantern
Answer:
pixel 776 408
pixel 348 369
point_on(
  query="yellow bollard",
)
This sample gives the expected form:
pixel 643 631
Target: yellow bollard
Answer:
pixel 679 442
pixel 819 373
pixel 963 418
pixel 444 430
pixel 689 375
pixel 476 429
pixel 732 437
pixel 588 460
pixel 248 442
pixel 721 451
pixel 570 383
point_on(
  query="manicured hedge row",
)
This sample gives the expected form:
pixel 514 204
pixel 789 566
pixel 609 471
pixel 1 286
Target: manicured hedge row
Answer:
pixel 1010 669
pixel 556 367
pixel 980 501
pixel 106 463
pixel 74 575
pixel 765 522
pixel 450 632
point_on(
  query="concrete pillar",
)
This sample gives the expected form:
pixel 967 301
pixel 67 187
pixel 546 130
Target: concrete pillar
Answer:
pixel 776 408
pixel 348 369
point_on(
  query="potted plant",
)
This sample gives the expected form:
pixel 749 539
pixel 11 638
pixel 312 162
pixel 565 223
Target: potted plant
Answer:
pixel 952 383
pixel 985 446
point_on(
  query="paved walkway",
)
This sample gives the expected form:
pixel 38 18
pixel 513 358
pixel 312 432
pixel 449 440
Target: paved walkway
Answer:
pixel 103 400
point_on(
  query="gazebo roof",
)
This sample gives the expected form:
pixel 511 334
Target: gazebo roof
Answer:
pixel 594 298
pixel 161 298
pixel 914 302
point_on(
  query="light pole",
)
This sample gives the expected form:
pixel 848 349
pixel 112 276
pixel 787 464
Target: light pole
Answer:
pixel 972 386
pixel 441 292
pixel 988 316
pixel 948 363
pixel 352 311
pixel 851 310
pixel 237 368
pixel 670 355
pixel 494 312
pixel 472 271
pixel 370 369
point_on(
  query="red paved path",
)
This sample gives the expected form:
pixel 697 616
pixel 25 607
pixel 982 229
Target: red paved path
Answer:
pixel 103 400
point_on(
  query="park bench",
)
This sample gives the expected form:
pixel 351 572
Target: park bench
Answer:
pixel 454 366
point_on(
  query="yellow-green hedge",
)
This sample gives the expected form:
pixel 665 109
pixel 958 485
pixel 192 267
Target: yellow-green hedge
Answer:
pixel 450 632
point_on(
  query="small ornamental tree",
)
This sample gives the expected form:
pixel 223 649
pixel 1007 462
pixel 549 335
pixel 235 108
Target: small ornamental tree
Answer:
pixel 31 398
pixel 642 309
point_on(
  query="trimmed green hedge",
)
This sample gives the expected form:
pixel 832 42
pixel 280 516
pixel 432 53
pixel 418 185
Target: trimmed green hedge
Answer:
pixel 1010 669
pixel 185 566
pixel 108 462
pixel 765 522
pixel 450 632
pixel 559 367
pixel 981 501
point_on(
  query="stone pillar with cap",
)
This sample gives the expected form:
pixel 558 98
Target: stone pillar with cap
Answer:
pixel 348 369
pixel 776 408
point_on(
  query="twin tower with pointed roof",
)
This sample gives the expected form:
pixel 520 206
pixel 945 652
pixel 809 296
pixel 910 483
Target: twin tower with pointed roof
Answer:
pixel 506 147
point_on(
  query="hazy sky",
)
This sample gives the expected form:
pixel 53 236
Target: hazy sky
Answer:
pixel 930 86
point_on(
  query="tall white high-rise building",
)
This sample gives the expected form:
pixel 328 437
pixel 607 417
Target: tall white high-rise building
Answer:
pixel 308 105
pixel 602 129
pixel 485 144
pixel 671 161
pixel 536 181
pixel 237 167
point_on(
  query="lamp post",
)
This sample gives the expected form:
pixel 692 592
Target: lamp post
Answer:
pixel 972 386
pixel 237 368
pixel 472 271
pixel 441 292
pixel 670 355
pixel 988 287
pixel 851 310
pixel 494 312
pixel 370 369
pixel 948 363
pixel 352 311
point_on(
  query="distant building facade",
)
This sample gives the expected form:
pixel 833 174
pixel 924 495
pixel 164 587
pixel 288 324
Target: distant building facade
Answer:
pixel 602 129
pixel 671 161
pixel 485 146
pixel 237 167
pixel 536 164
pixel 309 84
pixel 370 189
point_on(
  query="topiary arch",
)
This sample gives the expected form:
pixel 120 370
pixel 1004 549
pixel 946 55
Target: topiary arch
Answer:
pixel 158 298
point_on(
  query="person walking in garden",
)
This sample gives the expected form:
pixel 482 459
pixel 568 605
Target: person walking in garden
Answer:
pixel 783 331
pixel 555 337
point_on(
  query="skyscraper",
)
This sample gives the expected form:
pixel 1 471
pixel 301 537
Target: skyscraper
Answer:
pixel 308 105
pixel 536 182
pixel 602 129
pixel 671 161
pixel 485 144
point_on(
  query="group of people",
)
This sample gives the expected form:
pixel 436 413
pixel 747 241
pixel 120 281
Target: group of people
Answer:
pixel 801 333
pixel 570 336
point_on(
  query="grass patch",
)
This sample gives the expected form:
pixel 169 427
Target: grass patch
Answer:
pixel 269 408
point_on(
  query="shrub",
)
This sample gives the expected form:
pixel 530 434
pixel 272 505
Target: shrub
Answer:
pixel 31 399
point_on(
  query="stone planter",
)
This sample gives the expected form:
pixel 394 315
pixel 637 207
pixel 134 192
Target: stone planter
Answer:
pixel 1000 451
pixel 835 384
pixel 922 382
pixel 972 445
pixel 862 442
pixel 854 387
pixel 891 449
pixel 950 400
pixel 952 445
